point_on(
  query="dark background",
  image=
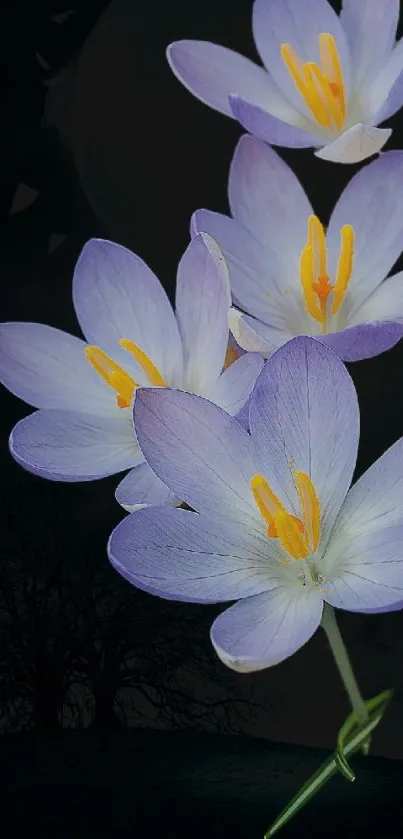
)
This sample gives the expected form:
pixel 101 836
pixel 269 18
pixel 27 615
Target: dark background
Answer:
pixel 99 139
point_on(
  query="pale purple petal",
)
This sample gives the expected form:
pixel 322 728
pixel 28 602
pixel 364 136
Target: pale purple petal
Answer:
pixel 248 262
pixel 267 198
pixel 200 452
pixel 370 28
pixel 180 555
pixel 364 340
pixel 253 335
pixel 373 204
pixel 142 488
pixel 267 628
pixel 116 295
pixel 299 24
pixel 385 303
pixel 72 446
pixel 357 143
pixel 304 416
pixel 269 128
pixel 385 93
pixel 392 103
pixel 366 570
pixel 202 301
pixel 48 369
pixel 375 501
pixel 212 73
pixel 233 388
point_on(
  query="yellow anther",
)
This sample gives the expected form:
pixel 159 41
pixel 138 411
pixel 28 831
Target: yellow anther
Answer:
pixel 317 241
pixel 310 508
pixel 314 95
pixel 320 86
pixel 308 281
pixel 331 65
pixel 293 540
pixel 266 501
pixel 298 536
pixel 344 267
pixel 153 374
pixel 113 375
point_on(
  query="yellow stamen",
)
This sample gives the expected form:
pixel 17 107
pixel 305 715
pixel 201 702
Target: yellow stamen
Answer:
pixel 307 281
pixel 310 508
pixel 331 65
pixel 298 536
pixel 266 501
pixel 344 267
pixel 321 87
pixel 113 375
pixel 315 281
pixel 314 97
pixel 153 374
pixel 317 241
pixel 293 541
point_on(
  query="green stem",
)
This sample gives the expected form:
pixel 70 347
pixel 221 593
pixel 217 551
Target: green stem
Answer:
pixel 329 624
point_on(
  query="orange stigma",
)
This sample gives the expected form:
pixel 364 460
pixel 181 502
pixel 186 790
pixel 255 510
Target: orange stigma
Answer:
pixel 321 86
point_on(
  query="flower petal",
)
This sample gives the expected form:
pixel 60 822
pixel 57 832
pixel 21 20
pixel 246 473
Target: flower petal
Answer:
pixel 72 446
pixel 265 629
pixel 385 93
pixel 180 555
pixel 212 73
pixel 142 488
pixel 376 499
pixel 271 129
pixel 116 295
pixel 267 198
pixel 392 103
pixel 48 369
pixel 385 303
pixel 247 260
pixel 233 388
pixel 356 144
pixel 304 416
pixel 202 301
pixel 366 570
pixel 364 340
pixel 253 335
pixel 199 451
pixel 371 30
pixel 289 21
pixel 378 234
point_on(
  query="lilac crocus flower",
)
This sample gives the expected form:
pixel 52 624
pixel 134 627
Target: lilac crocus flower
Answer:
pixel 85 391
pixel 290 277
pixel 327 81
pixel 276 526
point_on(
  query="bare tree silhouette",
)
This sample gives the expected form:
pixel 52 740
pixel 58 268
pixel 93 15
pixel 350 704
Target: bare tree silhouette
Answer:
pixel 80 646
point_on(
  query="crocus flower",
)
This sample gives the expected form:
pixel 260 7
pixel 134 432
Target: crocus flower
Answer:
pixel 328 81
pixel 292 278
pixel 85 391
pixel 275 526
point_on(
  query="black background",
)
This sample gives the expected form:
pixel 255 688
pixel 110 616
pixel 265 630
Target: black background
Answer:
pixel 99 139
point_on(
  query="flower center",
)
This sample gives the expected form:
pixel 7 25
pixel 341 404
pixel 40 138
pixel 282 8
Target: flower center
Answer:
pixel 314 277
pixel 320 85
pixel 117 378
pixel 299 536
